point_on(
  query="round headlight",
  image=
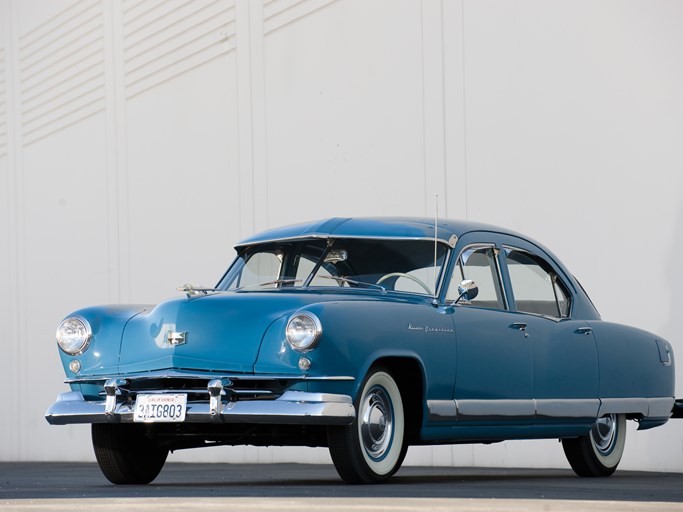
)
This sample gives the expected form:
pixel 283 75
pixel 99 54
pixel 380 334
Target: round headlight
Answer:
pixel 303 331
pixel 73 335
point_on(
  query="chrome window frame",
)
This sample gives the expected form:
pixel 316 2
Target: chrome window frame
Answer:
pixel 554 276
pixel 439 285
pixel 499 275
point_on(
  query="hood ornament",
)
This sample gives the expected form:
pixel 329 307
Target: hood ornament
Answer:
pixel 192 290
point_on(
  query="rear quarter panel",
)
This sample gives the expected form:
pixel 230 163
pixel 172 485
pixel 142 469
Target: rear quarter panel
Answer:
pixel 630 363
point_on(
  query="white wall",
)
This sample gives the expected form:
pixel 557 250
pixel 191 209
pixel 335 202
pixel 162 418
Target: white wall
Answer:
pixel 140 139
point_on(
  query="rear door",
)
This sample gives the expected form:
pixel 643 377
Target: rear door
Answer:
pixel 564 353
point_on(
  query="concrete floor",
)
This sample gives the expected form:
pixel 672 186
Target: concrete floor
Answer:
pixel 299 487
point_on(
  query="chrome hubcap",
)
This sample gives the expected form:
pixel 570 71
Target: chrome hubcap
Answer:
pixel 377 424
pixel 604 433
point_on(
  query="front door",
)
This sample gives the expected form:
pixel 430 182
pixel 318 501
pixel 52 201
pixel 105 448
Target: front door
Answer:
pixel 493 374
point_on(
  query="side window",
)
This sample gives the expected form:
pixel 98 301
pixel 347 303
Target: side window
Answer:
pixel 535 286
pixel 478 264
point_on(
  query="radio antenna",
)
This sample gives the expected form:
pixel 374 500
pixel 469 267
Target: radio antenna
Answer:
pixel 436 222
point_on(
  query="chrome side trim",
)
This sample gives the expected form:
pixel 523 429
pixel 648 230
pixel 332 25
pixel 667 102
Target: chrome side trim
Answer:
pixel 442 410
pixel 661 407
pixel 648 407
pixel 477 410
pixel 292 408
pixel 174 374
pixel 624 405
pixel 578 408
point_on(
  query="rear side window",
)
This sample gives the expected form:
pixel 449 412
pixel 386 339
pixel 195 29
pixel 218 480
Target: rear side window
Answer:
pixel 535 285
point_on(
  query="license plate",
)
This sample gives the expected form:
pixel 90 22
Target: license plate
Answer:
pixel 160 408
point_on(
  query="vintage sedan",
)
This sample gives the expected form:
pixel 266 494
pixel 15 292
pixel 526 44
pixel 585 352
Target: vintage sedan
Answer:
pixel 366 336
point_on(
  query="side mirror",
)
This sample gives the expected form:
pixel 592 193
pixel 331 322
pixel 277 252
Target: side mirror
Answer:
pixel 467 290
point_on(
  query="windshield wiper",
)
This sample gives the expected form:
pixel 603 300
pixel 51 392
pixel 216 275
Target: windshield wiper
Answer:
pixel 352 281
pixel 275 281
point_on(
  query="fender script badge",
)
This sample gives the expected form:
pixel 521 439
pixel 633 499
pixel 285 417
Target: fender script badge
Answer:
pixel 176 338
pixel 426 328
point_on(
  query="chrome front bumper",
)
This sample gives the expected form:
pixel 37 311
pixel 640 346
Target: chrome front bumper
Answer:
pixel 292 408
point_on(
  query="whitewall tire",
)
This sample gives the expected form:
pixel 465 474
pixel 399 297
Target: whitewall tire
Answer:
pixel 599 452
pixel 372 448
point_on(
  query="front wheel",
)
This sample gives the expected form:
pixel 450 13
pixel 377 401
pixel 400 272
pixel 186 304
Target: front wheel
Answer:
pixel 373 447
pixel 125 454
pixel 598 453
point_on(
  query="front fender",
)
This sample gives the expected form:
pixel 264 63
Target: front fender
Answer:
pixel 107 324
pixel 356 334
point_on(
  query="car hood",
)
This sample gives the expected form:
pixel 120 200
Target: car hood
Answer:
pixel 221 332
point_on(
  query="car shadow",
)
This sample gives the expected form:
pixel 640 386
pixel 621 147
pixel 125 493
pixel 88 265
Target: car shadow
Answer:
pixel 182 480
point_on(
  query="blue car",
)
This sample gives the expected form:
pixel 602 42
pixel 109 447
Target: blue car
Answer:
pixel 366 336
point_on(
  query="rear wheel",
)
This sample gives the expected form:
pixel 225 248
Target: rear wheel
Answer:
pixel 125 454
pixel 373 447
pixel 598 453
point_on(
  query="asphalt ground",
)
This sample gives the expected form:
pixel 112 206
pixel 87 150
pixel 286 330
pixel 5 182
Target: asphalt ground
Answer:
pixel 301 487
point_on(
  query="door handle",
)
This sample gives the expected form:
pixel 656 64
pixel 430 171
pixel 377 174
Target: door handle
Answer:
pixel 586 331
pixel 519 325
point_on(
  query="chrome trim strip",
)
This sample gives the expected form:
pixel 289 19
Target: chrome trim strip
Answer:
pixel 292 408
pixel 169 391
pixel 174 374
pixel 442 410
pixel 473 410
pixel 623 406
pixel 329 236
pixel 574 408
pixel 661 407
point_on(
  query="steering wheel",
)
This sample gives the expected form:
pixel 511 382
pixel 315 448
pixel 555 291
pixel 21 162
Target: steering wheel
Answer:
pixel 403 274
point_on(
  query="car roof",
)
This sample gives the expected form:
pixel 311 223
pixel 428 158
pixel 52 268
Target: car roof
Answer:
pixel 448 231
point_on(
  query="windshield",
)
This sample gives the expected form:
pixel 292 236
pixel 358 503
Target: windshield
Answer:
pixel 386 265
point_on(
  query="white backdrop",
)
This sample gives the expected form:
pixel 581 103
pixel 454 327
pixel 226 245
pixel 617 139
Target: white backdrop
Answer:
pixel 140 139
